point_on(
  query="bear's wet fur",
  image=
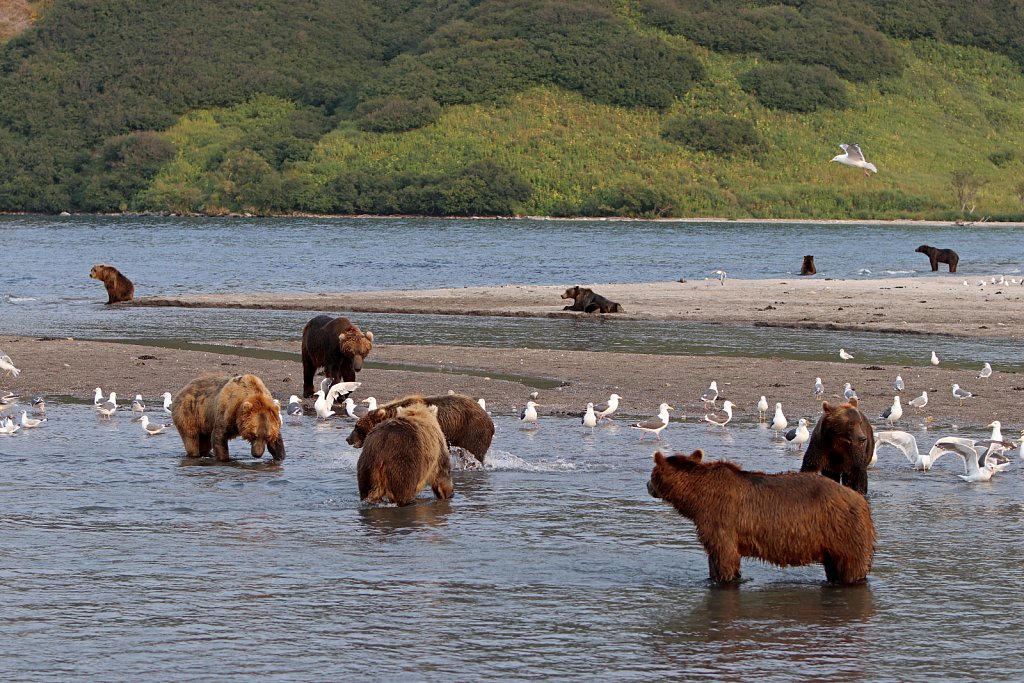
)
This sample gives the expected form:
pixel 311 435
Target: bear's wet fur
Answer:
pixel 588 301
pixel 937 256
pixel 807 267
pixel 789 519
pixel 119 288
pixel 403 454
pixel 212 409
pixel 337 346
pixel 841 446
pixel 464 423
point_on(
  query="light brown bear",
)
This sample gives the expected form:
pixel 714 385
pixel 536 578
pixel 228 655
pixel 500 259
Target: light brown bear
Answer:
pixel 337 346
pixel 403 454
pixel 213 409
pixel 464 423
pixel 789 519
pixel 841 446
pixel 119 288
pixel 589 301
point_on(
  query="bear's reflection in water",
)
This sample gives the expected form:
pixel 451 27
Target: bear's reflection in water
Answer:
pixel 268 464
pixel 389 520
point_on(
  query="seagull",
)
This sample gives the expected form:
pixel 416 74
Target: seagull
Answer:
pixel 589 418
pixel 371 403
pixel 342 390
pixel 137 405
pixel 907 445
pixel 655 424
pixel 973 469
pixel 899 385
pixel 107 408
pixel 1021 450
pixel 961 394
pixel 323 406
pixel 97 397
pixel 529 414
pixel 7 365
pixel 280 416
pixel 721 276
pixel 168 399
pixel 848 392
pixel 799 434
pixel 893 412
pixel 935 359
pixel 852 156
pixel 819 388
pixel 294 406
pixel 9 427
pixel 762 409
pixel 7 400
pixel 483 405
pixel 151 428
pixel 844 355
pixel 779 422
pixel 354 411
pixel 986 372
pixel 39 405
pixel 711 395
pixel 28 423
pixel 920 402
pixel 716 420
pixel 997 430
pixel 605 410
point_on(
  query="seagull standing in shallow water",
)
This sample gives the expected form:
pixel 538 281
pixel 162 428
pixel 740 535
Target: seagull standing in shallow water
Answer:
pixel 137 405
pixel 655 424
pixel 719 421
pixel 151 428
pixel 589 418
pixel 893 412
pixel 107 408
pixel 294 406
pixel 605 410
pixel 28 423
pixel 762 409
pixel 799 434
pixel 168 399
pixel 529 414
pixel 852 156
pixel 779 421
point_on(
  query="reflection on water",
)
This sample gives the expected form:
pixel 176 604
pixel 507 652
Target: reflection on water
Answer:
pixel 552 562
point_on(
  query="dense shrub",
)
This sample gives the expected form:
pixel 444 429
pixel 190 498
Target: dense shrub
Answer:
pixel 636 199
pixel 396 114
pixel 717 134
pixel 124 165
pixel 1002 157
pixel 794 87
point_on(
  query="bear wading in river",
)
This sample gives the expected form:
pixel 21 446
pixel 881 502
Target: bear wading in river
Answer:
pixel 337 346
pixel 841 446
pixel 937 256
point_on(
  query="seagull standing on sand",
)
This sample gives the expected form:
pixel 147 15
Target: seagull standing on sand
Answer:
pixel 799 434
pixel 352 410
pixel 899 385
pixel 844 355
pixel 710 395
pixel 28 423
pixel 920 402
pixel 960 394
pixel 589 418
pixel 108 407
pixel 893 412
pixel 762 409
pixel 848 392
pixel 605 410
pixel 779 422
pixel 718 420
pixel 935 359
pixel 655 424
pixel 819 388
pixel 7 365
pixel 151 428
pixel 986 372
pixel 852 156
pixel 529 414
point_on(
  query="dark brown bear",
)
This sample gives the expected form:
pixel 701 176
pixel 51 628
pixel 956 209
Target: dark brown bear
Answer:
pixel 119 288
pixel 402 455
pixel 937 256
pixel 337 346
pixel 213 409
pixel 841 446
pixel 808 266
pixel 464 423
pixel 790 519
pixel 588 301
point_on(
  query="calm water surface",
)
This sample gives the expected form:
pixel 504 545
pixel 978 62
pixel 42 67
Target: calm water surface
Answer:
pixel 122 561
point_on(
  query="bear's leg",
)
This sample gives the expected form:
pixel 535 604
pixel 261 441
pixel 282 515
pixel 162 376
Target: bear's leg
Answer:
pixel 935 261
pixel 724 563
pixel 194 446
pixel 832 574
pixel 857 479
pixel 953 260
pixel 219 440
pixel 308 370
pixel 443 487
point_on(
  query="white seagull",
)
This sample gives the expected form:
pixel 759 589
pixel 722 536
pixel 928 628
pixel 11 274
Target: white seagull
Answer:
pixel 352 410
pixel 168 399
pixel 605 410
pixel 907 444
pixel 899 385
pixel 852 156
pixel 986 372
pixel 762 409
pixel 893 412
pixel 39 405
pixel 28 423
pixel 529 414
pixel 107 408
pixel 935 359
pixel 779 422
pixel 294 406
pixel 819 388
pixel 799 434
pixel 920 402
pixel 655 424
pixel 589 418
pixel 323 406
pixel 97 397
pixel 137 405
pixel 844 355
pixel 7 365
pixel 711 395
pixel 973 469
pixel 151 428
pixel 961 394
pixel 717 420
pixel 9 427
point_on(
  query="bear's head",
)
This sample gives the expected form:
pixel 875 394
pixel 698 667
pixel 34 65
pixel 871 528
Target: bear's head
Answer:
pixel 355 344
pixel 259 423
pixel 667 469
pixel 923 249
pixel 571 293
pixel 364 425
pixel 845 431
pixel 99 272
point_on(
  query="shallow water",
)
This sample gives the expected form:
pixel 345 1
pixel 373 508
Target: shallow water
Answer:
pixel 551 563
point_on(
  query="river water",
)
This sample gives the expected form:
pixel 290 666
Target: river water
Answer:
pixel 121 561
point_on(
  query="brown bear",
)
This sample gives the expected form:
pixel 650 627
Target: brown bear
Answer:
pixel 588 301
pixel 789 519
pixel 402 455
pixel 807 268
pixel 337 346
pixel 119 288
pixel 464 423
pixel 937 256
pixel 213 409
pixel 841 446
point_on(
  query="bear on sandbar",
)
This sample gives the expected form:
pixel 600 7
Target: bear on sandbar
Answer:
pixel 789 519
pixel 588 301
pixel 213 409
pixel 403 454
pixel 119 288
pixel 841 446
pixel 464 423
pixel 337 346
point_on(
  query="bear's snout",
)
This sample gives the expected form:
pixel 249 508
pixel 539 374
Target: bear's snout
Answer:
pixel 651 490
pixel 352 439
pixel 259 446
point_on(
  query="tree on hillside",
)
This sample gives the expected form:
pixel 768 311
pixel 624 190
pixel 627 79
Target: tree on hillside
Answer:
pixel 967 185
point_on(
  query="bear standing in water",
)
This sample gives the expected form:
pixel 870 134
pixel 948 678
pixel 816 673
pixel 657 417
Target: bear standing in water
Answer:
pixel 841 446
pixel 937 256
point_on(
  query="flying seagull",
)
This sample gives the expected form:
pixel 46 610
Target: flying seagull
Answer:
pixel 852 156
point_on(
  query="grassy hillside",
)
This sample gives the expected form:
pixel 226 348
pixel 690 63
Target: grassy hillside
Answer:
pixel 528 107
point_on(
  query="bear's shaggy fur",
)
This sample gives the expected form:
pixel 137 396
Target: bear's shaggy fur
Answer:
pixel 841 446
pixel 213 409
pixel 337 346
pixel 937 256
pixel 807 268
pixel 119 288
pixel 403 454
pixel 464 423
pixel 588 301
pixel 789 519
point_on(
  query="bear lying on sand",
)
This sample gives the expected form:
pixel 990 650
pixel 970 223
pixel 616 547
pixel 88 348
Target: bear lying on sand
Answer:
pixel 937 256
pixel 464 423
pixel 119 288
pixel 841 446
pixel 402 455
pixel 337 346
pixel 213 409
pixel 588 301
pixel 790 519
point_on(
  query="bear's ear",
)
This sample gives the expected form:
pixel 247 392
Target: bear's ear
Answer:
pixel 659 458
pixel 853 401
pixel 369 335
pixel 826 408
pixel 697 455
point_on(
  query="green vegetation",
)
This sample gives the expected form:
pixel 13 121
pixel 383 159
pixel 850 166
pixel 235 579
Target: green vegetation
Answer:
pixel 563 107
